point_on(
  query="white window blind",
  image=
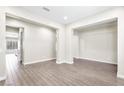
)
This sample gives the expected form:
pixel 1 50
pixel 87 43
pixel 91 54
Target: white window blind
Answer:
pixel 11 44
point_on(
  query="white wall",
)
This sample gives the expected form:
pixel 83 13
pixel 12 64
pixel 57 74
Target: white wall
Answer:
pixel 28 16
pixel 39 42
pixel 2 45
pixel 12 32
pixel 121 44
pixel 99 17
pixel 99 43
pixel 76 44
pixel 65 46
pixel 106 15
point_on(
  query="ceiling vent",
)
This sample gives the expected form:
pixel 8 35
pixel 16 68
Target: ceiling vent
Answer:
pixel 46 9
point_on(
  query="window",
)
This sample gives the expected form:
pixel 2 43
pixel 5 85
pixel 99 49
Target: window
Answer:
pixel 11 44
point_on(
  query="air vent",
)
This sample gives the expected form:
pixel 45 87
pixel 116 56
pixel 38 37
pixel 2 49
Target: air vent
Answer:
pixel 46 9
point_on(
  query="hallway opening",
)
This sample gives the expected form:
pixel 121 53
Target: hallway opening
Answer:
pixel 14 43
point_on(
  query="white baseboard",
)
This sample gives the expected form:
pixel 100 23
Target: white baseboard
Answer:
pixel 96 60
pixel 2 78
pixel 67 62
pixel 120 76
pixel 60 62
pixel 38 61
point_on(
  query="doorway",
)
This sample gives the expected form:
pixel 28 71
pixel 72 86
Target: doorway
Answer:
pixel 14 44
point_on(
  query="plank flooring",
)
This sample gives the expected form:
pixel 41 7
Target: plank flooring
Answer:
pixel 81 73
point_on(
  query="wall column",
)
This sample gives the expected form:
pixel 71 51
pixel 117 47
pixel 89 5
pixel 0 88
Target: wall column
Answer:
pixel 69 47
pixel 60 47
pixel 120 46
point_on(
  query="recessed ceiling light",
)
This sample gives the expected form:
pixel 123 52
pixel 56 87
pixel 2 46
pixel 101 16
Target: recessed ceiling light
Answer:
pixel 65 17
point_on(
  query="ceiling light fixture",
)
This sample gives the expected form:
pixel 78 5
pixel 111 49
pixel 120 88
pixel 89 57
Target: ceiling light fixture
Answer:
pixel 65 17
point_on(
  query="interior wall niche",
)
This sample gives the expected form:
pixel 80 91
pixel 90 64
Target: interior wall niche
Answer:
pixel 96 42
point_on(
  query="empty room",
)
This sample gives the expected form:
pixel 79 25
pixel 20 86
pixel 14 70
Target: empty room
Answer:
pixel 61 46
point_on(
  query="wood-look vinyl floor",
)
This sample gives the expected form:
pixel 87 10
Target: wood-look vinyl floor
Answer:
pixel 81 73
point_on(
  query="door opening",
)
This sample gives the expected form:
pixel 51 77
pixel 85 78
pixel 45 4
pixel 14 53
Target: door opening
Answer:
pixel 14 43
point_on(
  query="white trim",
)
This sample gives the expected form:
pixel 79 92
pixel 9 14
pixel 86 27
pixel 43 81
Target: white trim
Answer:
pixel 2 78
pixel 38 61
pixel 60 62
pixel 120 76
pixel 67 62
pixel 96 60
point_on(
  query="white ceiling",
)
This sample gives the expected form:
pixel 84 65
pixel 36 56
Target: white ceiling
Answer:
pixel 73 13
